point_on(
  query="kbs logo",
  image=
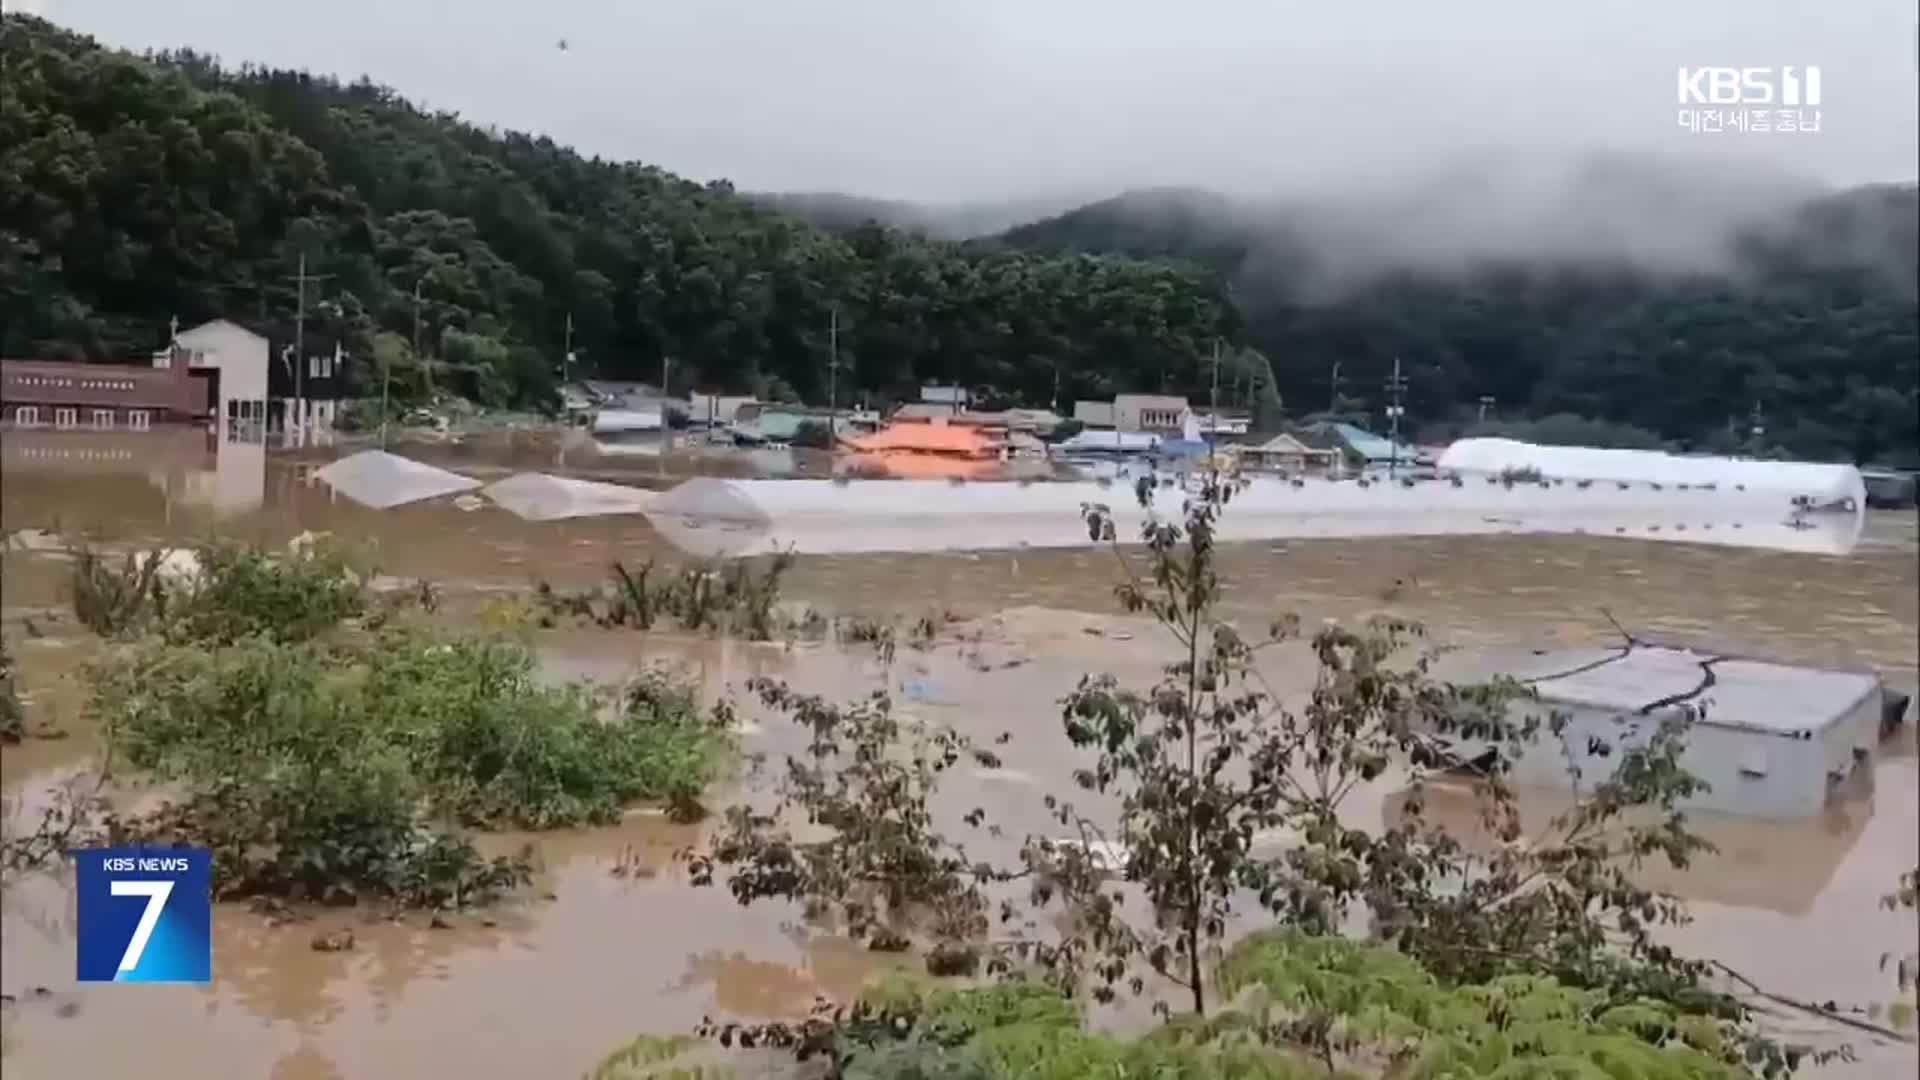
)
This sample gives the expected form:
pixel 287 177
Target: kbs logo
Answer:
pixel 1789 86
pixel 143 914
pixel 1716 100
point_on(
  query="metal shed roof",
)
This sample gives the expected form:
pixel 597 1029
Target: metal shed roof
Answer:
pixel 1758 695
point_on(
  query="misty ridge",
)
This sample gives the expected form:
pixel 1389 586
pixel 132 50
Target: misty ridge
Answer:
pixel 1638 214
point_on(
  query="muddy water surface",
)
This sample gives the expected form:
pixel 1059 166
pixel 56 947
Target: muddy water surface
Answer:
pixel 613 942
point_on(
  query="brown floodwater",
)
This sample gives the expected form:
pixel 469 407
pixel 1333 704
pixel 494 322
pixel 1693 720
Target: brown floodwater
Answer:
pixel 613 942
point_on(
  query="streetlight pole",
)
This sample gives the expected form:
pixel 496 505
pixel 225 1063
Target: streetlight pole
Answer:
pixel 1333 390
pixel 1486 402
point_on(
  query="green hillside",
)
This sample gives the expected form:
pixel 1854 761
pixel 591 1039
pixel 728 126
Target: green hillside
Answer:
pixel 134 190
pixel 1810 315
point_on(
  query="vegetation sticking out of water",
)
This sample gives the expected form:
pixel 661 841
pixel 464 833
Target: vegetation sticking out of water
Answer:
pixel 322 766
pixel 215 594
pixel 13 721
pixel 1300 1006
pixel 325 750
pixel 1204 764
pixel 729 596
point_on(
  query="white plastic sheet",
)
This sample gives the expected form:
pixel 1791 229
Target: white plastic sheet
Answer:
pixel 743 517
pixel 1819 482
pixel 543 497
pixel 380 480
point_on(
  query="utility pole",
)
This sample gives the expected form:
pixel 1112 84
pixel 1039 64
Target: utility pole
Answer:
pixel 1758 429
pixel 1333 390
pixel 1396 387
pixel 1486 402
pixel 300 342
pixel 833 372
pixel 1213 405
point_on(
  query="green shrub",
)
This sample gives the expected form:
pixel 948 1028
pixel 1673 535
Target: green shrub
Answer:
pixel 318 766
pixel 233 592
pixel 239 592
pixel 13 721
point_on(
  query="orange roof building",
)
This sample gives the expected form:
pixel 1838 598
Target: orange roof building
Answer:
pixel 930 437
pixel 925 449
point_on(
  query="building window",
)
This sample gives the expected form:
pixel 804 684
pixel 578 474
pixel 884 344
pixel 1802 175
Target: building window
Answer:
pixel 103 419
pixel 137 420
pixel 319 366
pixel 66 418
pixel 27 416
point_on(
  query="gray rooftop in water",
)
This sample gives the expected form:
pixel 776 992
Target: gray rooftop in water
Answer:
pixel 1756 694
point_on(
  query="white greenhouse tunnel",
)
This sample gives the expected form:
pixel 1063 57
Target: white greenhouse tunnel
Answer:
pixel 1491 457
pixel 714 517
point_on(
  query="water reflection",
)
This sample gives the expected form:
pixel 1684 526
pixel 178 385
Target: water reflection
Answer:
pixel 189 467
pixel 612 942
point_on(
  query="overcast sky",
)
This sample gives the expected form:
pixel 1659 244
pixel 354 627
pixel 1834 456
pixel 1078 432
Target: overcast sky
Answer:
pixel 988 99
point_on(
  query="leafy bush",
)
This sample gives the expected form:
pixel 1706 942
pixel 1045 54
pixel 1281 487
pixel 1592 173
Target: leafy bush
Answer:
pixel 13 722
pixel 232 592
pixel 318 766
pixel 1346 999
pixel 239 592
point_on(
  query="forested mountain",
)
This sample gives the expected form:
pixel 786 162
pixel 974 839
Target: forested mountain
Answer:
pixel 837 212
pixel 1631 296
pixel 133 190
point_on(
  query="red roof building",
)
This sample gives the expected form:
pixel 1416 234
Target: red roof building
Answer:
pixel 63 394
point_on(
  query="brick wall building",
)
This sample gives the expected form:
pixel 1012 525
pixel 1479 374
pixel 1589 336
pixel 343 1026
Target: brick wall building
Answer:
pixel 62 394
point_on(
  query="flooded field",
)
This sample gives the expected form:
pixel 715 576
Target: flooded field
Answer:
pixel 614 942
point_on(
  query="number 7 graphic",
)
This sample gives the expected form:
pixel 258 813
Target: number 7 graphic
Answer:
pixel 156 893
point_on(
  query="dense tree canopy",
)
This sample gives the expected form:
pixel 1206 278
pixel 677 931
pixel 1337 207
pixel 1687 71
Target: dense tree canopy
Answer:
pixel 135 190
pixel 1812 321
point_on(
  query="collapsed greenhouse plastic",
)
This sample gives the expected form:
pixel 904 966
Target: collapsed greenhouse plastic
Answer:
pixel 543 497
pixel 380 480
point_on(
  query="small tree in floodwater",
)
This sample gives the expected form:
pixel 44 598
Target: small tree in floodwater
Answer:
pixel 1205 765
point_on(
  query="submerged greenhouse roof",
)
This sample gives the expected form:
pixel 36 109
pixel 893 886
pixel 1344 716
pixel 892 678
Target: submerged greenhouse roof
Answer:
pixel 544 497
pixel 737 517
pixel 378 479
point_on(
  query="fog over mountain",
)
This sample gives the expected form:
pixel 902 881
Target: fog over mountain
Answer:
pixel 932 102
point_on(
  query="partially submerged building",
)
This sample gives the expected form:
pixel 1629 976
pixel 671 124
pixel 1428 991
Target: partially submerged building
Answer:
pixel 65 395
pixel 923 449
pixel 235 360
pixel 1769 739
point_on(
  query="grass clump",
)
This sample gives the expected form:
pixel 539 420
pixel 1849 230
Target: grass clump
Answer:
pixel 730 596
pixel 323 768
